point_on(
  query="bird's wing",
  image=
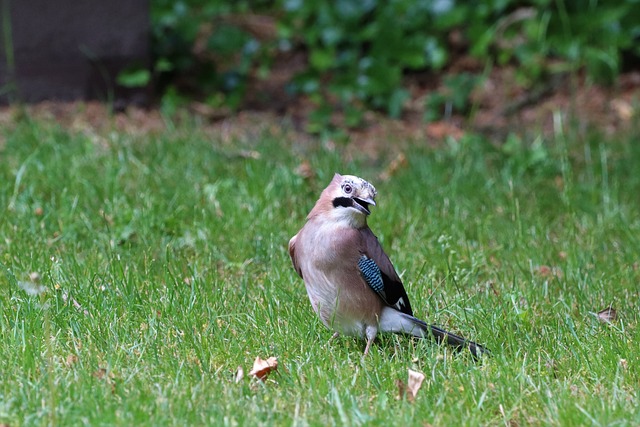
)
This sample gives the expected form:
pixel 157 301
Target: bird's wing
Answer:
pixel 292 254
pixel 377 270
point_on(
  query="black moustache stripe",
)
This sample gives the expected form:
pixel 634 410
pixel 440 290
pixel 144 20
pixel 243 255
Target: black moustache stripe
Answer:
pixel 345 202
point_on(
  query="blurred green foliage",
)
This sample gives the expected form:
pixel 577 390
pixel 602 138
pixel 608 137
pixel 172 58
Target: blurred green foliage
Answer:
pixel 358 51
pixel 193 45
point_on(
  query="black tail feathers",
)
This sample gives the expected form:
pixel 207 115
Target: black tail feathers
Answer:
pixel 458 342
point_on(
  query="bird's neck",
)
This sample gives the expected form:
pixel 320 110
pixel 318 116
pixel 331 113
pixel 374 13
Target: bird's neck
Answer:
pixel 348 218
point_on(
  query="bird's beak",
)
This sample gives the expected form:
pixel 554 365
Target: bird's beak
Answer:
pixel 363 204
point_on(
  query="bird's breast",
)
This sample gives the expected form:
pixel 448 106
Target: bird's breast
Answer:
pixel 339 295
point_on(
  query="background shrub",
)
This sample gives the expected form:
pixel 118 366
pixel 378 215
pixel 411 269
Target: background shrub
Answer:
pixel 359 52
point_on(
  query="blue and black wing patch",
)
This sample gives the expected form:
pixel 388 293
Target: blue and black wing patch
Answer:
pixel 392 292
pixel 371 274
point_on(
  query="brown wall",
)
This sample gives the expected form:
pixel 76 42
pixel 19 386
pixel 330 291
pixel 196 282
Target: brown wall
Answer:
pixel 73 49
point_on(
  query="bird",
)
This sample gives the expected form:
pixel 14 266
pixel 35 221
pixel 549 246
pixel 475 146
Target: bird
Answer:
pixel 351 283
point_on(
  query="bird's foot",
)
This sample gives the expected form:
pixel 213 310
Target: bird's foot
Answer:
pixel 366 349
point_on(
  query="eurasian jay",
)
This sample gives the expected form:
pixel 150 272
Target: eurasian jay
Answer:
pixel 352 284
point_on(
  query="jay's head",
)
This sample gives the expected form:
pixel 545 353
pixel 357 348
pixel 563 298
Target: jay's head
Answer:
pixel 352 193
pixel 347 198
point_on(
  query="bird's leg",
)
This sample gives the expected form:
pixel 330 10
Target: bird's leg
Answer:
pixel 370 332
pixel 366 349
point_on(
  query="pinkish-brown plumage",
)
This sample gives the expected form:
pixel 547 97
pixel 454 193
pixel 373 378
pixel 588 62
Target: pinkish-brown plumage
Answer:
pixel 350 281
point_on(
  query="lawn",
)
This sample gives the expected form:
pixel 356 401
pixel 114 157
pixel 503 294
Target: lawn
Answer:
pixel 163 268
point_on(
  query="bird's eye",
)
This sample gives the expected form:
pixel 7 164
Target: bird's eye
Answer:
pixel 347 188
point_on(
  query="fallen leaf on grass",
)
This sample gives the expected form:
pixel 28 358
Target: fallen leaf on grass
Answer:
pixel 262 368
pixel 415 381
pixel 608 315
pixel 410 390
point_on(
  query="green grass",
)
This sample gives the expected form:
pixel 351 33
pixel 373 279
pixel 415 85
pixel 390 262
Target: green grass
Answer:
pixel 165 264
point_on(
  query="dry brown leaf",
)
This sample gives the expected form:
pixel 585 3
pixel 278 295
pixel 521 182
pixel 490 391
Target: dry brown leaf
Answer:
pixel 608 315
pixel 415 382
pixel 410 390
pixel 262 368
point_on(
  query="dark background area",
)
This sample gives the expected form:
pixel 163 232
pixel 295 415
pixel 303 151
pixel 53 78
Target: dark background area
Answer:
pixel 67 50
